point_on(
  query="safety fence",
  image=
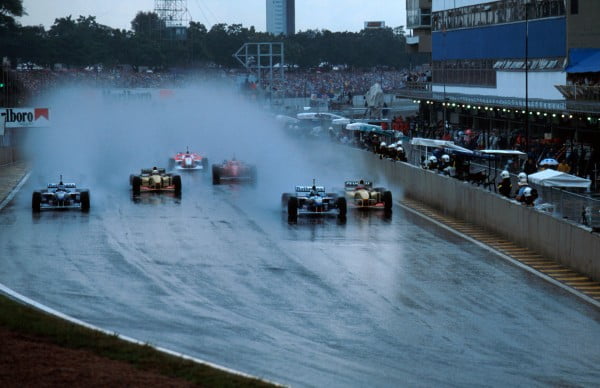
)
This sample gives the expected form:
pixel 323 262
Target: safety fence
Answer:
pixel 580 207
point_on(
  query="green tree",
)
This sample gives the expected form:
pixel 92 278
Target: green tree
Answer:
pixel 9 9
pixel 148 24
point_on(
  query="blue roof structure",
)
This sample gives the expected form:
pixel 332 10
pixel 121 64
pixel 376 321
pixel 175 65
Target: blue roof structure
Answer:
pixel 584 60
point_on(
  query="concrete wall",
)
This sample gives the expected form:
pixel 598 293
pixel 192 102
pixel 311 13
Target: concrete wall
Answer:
pixel 567 243
pixel 8 155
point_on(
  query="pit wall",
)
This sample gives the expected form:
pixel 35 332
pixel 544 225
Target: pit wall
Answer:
pixel 567 243
pixel 8 155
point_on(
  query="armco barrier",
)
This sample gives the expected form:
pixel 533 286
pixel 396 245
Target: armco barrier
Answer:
pixel 563 241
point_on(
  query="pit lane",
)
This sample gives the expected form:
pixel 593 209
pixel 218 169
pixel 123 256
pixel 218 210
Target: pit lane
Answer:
pixel 220 275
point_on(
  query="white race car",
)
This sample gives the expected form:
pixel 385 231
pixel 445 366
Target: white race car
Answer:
pixel 188 161
pixel 313 200
pixel 60 196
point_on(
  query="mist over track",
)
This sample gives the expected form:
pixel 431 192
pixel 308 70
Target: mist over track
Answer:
pixel 220 275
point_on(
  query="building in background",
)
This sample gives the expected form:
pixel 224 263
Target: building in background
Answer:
pixel 519 66
pixel 281 17
pixel 418 19
pixel 481 47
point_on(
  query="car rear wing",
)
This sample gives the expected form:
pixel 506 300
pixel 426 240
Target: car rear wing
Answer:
pixel 65 185
pixel 307 189
pixel 352 184
pixel 149 170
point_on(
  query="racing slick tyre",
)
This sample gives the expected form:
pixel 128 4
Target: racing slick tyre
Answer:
pixel 342 207
pixel 205 163
pixel 285 197
pixel 136 183
pixel 171 164
pixel 177 183
pixel 216 175
pixel 387 201
pixel 84 196
pixel 36 201
pixel 292 209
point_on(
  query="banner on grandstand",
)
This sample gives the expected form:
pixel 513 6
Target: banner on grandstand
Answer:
pixel 24 117
pixel 136 94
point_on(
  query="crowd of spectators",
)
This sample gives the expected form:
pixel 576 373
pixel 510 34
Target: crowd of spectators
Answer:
pixel 298 83
pixel 572 157
pixel 35 82
pixel 347 83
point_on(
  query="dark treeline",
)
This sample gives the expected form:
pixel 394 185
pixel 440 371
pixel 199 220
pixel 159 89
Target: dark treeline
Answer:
pixel 78 42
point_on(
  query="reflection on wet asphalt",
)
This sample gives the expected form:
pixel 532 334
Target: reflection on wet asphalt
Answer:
pixel 219 274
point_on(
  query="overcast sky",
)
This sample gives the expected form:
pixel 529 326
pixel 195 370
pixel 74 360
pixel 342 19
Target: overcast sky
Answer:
pixel 334 15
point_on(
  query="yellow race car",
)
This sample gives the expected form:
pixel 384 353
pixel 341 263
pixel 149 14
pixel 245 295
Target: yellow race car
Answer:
pixel 155 180
pixel 361 195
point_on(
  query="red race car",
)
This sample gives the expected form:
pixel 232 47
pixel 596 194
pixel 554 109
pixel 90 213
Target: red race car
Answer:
pixel 234 171
pixel 188 161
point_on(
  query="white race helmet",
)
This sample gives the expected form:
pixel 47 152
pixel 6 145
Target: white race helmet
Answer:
pixel 446 158
pixel 382 144
pixel 400 149
pixel 504 174
pixel 432 159
pixel 527 192
pixel 522 176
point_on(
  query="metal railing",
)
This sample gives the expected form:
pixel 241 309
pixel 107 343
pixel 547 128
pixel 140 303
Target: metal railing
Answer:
pixel 579 207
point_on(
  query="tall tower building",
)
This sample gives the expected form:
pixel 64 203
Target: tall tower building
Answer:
pixel 281 17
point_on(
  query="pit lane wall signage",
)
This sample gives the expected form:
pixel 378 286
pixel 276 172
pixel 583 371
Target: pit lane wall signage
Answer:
pixel 24 117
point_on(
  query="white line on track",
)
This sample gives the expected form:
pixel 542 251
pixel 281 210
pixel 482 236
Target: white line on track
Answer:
pixel 14 191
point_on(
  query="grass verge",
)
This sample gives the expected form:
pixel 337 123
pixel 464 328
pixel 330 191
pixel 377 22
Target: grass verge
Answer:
pixel 29 321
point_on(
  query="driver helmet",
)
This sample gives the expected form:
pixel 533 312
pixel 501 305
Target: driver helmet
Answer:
pixel 432 159
pixel 504 174
pixel 527 192
pixel 446 158
pixel 522 176
pixel 382 144
pixel 399 149
pixel 154 170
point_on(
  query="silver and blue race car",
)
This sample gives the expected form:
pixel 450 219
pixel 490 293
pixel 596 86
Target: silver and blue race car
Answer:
pixel 313 200
pixel 60 196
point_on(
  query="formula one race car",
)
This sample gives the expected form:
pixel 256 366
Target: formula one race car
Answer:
pixel 362 195
pixel 61 196
pixel 313 200
pixel 234 171
pixel 155 180
pixel 189 161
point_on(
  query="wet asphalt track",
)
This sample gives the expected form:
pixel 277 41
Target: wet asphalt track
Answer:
pixel 220 275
